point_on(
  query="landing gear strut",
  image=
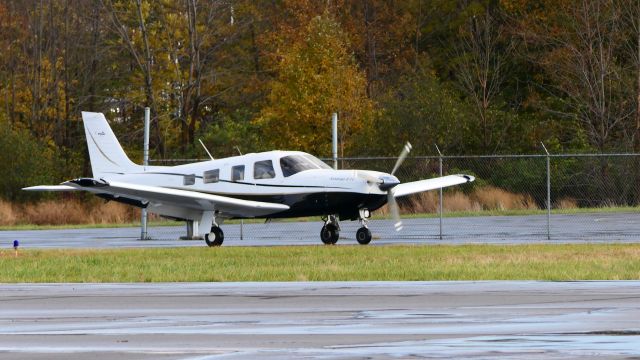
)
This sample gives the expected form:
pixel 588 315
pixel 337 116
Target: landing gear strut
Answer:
pixel 330 231
pixel 364 234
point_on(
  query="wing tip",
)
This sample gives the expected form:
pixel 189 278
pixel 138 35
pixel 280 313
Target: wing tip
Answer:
pixel 468 177
pixel 49 188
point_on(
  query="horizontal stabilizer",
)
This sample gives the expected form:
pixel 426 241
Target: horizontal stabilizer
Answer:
pixel 50 188
pixel 430 184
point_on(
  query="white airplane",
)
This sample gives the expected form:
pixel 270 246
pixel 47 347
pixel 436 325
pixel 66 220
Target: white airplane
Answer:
pixel 273 184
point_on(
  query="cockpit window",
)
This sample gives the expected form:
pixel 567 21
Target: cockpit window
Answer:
pixel 294 164
pixel 263 170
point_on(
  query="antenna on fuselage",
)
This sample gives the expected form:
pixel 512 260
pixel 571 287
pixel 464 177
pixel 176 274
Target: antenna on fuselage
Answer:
pixel 238 148
pixel 205 149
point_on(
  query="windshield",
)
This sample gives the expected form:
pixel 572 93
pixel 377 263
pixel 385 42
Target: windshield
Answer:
pixel 321 164
pixel 294 164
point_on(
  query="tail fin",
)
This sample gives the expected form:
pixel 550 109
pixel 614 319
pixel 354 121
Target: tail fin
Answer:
pixel 105 152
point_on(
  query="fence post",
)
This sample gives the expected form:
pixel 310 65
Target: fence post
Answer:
pixel 440 192
pixel 144 235
pixel 548 191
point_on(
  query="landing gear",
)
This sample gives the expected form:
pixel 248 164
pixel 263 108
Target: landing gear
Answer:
pixel 363 235
pixel 330 231
pixel 215 237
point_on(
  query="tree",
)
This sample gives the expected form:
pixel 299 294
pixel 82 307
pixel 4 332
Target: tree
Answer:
pixel 630 12
pixel 580 52
pixel 422 110
pixel 134 33
pixel 482 54
pixel 315 76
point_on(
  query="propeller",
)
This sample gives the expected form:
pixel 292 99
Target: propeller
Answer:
pixel 391 200
pixel 387 183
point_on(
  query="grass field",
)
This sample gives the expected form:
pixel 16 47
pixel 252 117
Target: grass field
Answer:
pixel 326 263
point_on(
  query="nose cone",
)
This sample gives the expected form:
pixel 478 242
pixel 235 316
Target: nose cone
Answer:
pixel 388 182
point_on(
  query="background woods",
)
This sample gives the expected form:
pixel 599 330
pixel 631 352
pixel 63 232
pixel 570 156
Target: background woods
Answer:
pixel 476 77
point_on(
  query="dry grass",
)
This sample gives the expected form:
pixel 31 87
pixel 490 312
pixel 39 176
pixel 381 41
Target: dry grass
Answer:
pixel 7 214
pixel 486 198
pixel 492 198
pixel 66 212
pixel 566 203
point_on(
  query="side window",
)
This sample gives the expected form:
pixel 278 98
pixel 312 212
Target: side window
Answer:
pixel 189 179
pixel 211 176
pixel 237 173
pixel 263 170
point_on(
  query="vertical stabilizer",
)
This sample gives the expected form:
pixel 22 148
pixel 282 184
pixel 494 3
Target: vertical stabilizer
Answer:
pixel 106 154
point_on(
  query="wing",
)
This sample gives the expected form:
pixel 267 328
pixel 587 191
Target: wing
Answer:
pixel 158 196
pixel 430 184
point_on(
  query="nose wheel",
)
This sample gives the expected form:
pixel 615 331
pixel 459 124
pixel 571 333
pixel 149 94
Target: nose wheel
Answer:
pixel 215 237
pixel 363 235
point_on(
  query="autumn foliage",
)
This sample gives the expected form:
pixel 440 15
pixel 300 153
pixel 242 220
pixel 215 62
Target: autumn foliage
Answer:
pixel 473 76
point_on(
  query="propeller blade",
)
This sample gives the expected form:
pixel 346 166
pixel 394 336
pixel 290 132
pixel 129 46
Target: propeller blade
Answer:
pixel 403 155
pixel 395 212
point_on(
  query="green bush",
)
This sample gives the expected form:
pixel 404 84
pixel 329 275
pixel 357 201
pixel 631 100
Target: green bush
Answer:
pixel 26 162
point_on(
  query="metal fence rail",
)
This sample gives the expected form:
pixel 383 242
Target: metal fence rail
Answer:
pixel 548 196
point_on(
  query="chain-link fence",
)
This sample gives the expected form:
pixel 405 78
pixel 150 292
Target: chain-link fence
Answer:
pixel 591 197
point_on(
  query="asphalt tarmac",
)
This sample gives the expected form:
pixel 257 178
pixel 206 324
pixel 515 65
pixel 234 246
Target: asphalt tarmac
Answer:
pixel 361 320
pixel 578 228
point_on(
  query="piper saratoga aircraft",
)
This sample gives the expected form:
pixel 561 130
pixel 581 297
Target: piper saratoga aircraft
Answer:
pixel 273 184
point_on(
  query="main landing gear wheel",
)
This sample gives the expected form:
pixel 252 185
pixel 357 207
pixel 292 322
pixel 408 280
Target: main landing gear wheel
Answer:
pixel 329 234
pixel 215 237
pixel 363 236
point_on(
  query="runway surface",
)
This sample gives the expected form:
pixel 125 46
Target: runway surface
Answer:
pixel 579 228
pixel 372 320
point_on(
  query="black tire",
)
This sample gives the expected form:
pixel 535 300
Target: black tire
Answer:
pixel 215 237
pixel 363 236
pixel 329 234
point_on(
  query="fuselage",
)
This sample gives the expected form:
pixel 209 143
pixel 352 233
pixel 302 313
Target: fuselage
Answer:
pixel 304 183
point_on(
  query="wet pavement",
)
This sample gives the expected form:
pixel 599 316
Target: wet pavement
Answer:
pixel 343 320
pixel 578 228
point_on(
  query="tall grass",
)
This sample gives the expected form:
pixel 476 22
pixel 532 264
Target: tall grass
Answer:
pixel 487 198
pixel 7 214
pixel 65 212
